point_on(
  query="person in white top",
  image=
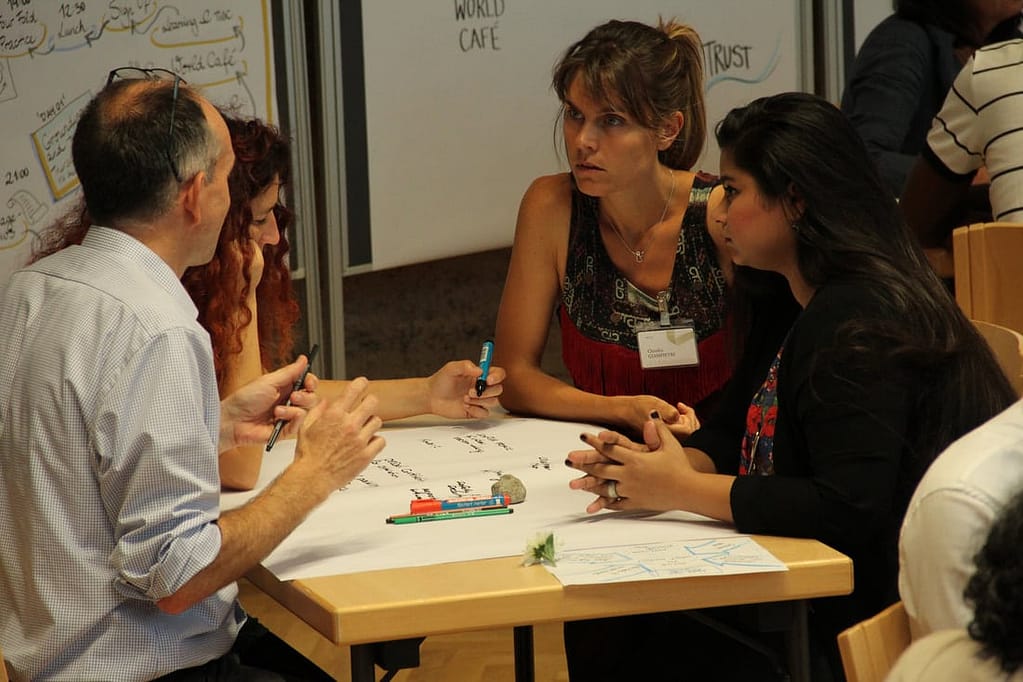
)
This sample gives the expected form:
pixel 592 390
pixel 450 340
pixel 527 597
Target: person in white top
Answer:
pixel 991 647
pixel 980 126
pixel 949 515
pixel 947 656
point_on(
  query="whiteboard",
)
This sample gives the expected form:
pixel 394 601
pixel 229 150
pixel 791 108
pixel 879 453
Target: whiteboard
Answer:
pixel 54 56
pixel 459 115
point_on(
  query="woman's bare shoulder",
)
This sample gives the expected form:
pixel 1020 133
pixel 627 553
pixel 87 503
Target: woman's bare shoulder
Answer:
pixel 549 191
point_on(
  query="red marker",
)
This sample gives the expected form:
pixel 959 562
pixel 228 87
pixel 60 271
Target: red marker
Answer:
pixel 425 506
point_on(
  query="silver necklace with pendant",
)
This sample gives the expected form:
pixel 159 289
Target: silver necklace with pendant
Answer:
pixel 640 254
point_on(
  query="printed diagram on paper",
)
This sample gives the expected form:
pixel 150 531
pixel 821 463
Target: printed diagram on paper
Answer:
pixel 660 560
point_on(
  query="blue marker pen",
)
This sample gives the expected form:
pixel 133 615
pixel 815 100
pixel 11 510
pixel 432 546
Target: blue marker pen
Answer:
pixel 486 353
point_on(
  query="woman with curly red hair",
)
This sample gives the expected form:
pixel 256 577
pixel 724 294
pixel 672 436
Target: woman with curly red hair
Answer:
pixel 247 304
pixel 250 262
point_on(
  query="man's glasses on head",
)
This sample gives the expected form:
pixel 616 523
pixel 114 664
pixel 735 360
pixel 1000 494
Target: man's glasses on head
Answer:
pixel 136 73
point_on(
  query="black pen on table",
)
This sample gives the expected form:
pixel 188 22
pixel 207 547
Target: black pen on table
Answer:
pixel 279 425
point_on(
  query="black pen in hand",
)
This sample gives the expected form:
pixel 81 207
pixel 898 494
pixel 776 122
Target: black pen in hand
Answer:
pixel 279 425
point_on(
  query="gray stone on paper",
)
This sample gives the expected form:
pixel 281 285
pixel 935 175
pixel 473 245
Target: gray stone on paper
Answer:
pixel 511 486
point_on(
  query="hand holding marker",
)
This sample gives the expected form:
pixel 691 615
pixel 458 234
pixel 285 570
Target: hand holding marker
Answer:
pixel 486 353
pixel 310 356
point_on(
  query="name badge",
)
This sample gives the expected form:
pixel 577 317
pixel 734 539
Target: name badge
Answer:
pixel 668 347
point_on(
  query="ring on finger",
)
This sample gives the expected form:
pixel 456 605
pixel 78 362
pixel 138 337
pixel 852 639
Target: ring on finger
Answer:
pixel 612 489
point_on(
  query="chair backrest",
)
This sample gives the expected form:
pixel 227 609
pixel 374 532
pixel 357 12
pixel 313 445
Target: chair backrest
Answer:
pixel 1007 345
pixel 989 272
pixel 869 648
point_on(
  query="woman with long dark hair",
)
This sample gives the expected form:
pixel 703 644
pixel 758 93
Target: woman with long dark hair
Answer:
pixel 840 401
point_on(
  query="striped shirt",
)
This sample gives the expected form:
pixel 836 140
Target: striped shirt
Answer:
pixel 981 124
pixel 109 490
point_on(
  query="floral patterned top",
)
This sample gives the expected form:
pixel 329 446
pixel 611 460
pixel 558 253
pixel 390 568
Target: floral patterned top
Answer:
pixel 756 455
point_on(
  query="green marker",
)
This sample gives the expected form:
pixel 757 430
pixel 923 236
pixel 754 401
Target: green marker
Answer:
pixel 442 515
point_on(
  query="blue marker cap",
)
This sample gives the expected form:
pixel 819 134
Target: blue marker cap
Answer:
pixel 486 353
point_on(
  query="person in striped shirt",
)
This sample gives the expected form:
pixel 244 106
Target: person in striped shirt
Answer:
pixel 974 150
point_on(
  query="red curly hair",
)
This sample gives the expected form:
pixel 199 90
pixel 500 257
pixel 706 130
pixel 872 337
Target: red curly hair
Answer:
pixel 261 154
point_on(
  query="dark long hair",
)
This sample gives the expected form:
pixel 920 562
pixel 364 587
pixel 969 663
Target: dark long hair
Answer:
pixel 851 232
pixel 649 72
pixel 995 593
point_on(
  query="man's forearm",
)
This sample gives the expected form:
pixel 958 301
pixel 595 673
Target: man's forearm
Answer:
pixel 250 533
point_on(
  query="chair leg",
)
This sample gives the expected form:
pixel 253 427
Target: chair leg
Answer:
pixel 363 668
pixel 797 643
pixel 524 668
pixel 391 656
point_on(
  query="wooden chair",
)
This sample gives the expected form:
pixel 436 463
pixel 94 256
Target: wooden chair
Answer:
pixel 988 261
pixel 1007 345
pixel 869 648
pixel 3 668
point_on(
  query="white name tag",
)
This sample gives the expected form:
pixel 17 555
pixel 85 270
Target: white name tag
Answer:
pixel 668 347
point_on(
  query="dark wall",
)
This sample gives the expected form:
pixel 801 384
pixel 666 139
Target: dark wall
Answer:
pixel 408 321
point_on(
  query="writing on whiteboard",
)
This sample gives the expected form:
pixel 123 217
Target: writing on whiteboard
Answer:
pixel 55 55
pixel 737 61
pixel 482 31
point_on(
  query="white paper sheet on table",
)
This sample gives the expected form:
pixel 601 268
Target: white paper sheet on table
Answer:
pixel 654 561
pixel 348 532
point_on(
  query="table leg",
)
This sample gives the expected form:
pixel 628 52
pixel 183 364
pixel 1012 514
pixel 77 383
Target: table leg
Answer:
pixel 797 642
pixel 524 670
pixel 363 666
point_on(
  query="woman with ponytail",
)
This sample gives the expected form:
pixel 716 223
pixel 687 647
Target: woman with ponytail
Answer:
pixel 621 238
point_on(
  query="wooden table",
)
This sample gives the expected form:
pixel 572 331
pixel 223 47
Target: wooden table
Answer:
pixel 360 609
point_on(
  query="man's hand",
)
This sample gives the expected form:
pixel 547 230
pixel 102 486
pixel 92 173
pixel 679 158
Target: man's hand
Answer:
pixel 336 441
pixel 338 438
pixel 248 414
